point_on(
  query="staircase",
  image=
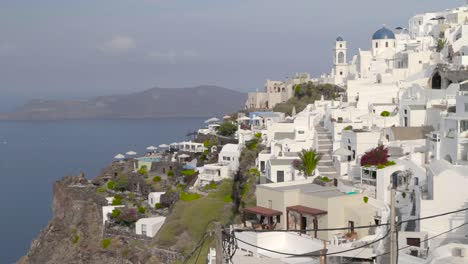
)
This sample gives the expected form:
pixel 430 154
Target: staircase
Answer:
pixel 325 148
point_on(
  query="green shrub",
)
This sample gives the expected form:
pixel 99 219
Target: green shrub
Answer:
pixel 380 166
pixel 366 199
pixel 210 186
pixel 403 195
pixel 143 170
pixel 110 185
pixel 390 163
pixel 122 184
pixel 227 198
pixel 157 178
pixel 117 200
pixel 227 129
pixel 76 238
pixel 115 213
pixel 141 210
pixel 106 243
pixel 188 197
pixel 189 172
pixel 255 172
pixel 326 179
pixel 348 128
pixel 159 206
pixel 170 173
pixel 207 143
pixel 258 135
pixel 101 189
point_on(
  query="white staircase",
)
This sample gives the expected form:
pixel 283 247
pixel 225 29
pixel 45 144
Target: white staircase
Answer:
pixel 325 148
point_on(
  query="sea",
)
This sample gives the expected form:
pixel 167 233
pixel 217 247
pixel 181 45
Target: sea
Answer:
pixel 35 154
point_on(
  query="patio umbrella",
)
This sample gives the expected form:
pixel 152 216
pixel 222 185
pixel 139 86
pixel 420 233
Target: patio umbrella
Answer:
pixel 244 118
pixel 164 146
pixel 342 152
pixel 212 120
pixel 119 156
pixel 226 117
pixel 131 153
pixel 184 156
pixel 151 148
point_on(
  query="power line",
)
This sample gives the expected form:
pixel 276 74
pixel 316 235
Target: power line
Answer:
pixel 425 240
pixel 315 255
pixel 347 228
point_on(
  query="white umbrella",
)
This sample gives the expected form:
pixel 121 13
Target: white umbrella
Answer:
pixel 151 148
pixel 212 120
pixel 184 156
pixel 244 118
pixel 164 146
pixel 342 152
pixel 119 156
pixel 226 117
pixel 131 153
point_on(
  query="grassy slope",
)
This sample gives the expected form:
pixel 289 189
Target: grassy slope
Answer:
pixel 186 224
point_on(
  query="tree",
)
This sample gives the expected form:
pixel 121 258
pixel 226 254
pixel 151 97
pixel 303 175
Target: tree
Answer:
pixel 308 161
pixel 385 114
pixel 376 156
pixel 227 129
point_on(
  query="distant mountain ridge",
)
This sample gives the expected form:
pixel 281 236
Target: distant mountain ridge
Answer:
pixel 199 101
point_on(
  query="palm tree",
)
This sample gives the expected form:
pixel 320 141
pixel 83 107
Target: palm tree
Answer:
pixel 308 161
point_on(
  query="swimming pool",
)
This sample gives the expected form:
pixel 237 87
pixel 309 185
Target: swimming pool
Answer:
pixel 149 159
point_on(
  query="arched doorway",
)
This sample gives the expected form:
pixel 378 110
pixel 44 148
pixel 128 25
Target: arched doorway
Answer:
pixel 436 81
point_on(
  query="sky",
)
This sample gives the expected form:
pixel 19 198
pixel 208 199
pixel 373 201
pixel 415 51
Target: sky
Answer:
pixel 73 49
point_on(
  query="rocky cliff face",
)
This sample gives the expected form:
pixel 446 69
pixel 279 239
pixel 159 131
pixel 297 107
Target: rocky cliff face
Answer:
pixel 75 234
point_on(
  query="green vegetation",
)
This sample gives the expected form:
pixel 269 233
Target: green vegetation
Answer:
pixel 348 128
pixel 170 173
pixel 101 189
pixel 308 161
pixel 189 172
pixel 110 185
pixel 441 43
pixel 141 210
pixel 325 179
pixel 158 206
pixel 117 200
pixel 403 194
pixel 305 94
pixel 143 170
pixel 121 184
pixel 228 198
pixel 106 243
pixel 188 197
pixel 254 171
pixel 115 213
pixel 76 238
pixel 258 135
pixel 157 178
pixel 227 129
pixel 211 186
pixel 192 219
pixel 366 199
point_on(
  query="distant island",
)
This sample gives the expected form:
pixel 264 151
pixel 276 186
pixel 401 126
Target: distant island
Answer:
pixel 199 101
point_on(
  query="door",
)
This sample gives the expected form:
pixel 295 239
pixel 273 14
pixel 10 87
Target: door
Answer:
pixel 262 166
pixel 303 224
pixel 406 121
pixel 280 176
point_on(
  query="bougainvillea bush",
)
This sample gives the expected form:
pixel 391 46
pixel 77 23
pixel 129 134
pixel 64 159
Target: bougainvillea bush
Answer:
pixel 376 156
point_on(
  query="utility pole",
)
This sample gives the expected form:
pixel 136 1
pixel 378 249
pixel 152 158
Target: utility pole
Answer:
pixel 393 227
pixel 219 243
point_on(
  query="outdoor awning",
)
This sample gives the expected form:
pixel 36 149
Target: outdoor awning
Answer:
pixel 263 211
pixel 306 210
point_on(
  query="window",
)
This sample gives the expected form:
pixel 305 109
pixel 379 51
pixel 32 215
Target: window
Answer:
pixel 143 230
pixel 376 44
pixel 406 111
pixel 341 73
pixel 386 44
pixel 300 132
pixel 466 107
pixel 280 176
pixel 415 242
pixel 341 45
pixel 350 226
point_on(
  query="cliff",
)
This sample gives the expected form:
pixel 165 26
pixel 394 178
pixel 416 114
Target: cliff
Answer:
pixel 200 101
pixel 75 234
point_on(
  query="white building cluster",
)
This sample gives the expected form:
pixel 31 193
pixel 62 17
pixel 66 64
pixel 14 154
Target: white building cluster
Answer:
pixel 408 96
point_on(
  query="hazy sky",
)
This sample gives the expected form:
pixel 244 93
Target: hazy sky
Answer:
pixel 70 48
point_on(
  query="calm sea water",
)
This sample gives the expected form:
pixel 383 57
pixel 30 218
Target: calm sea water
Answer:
pixel 33 155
